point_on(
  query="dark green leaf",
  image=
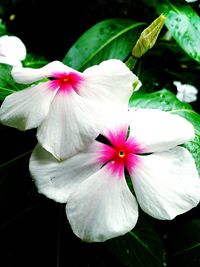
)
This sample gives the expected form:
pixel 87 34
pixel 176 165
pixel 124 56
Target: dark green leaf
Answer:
pixel 184 244
pixel 33 61
pixel 165 100
pixel 141 247
pixel 112 38
pixel 184 25
pixel 5 92
pixel 7 84
pixel 3 30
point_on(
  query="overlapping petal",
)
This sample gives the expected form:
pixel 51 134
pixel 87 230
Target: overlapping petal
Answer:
pixel 26 109
pixel 10 61
pixel 29 75
pixel 82 104
pixel 166 183
pixel 69 127
pixel 58 179
pixel 156 130
pixel 102 207
pixel 110 83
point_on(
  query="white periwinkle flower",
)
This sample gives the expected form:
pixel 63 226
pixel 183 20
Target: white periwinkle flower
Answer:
pixel 186 92
pixel 12 50
pixel 71 108
pixel 100 205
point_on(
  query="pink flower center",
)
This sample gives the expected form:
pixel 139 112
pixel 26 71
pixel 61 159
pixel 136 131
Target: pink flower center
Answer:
pixel 121 154
pixel 66 82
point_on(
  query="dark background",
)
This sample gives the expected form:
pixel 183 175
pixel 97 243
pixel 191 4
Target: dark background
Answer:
pixel 49 28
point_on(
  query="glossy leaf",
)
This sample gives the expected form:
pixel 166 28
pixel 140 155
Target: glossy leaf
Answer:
pixel 7 84
pixel 34 61
pixel 165 100
pixel 184 25
pixel 140 247
pixel 3 30
pixel 111 38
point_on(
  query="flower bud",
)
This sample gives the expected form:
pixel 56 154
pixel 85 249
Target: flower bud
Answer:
pixel 148 37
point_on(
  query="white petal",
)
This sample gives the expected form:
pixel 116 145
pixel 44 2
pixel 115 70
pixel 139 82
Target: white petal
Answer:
pixel 11 61
pixel 167 183
pixel 186 92
pixel 29 75
pixel 191 1
pixel 117 126
pixel 58 179
pixel 109 84
pixel 102 207
pixel 12 47
pixel 69 127
pixel 187 98
pixel 27 108
pixel 155 130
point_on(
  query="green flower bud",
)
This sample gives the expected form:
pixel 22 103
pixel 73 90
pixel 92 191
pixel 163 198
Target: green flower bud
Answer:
pixel 148 37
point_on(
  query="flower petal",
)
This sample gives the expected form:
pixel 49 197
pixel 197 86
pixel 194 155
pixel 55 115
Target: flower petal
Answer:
pixel 70 126
pixel 186 92
pixel 167 183
pixel 102 207
pixel 58 179
pixel 117 128
pixel 29 75
pixel 155 130
pixel 12 47
pixel 11 61
pixel 109 83
pixel 26 109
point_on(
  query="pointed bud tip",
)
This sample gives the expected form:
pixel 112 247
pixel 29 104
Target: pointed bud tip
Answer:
pixel 148 37
pixel 162 18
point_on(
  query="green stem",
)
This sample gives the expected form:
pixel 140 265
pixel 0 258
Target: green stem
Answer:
pixel 16 158
pixel 11 220
pixel 131 62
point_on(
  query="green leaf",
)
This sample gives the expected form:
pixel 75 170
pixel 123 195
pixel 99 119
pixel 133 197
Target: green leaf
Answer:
pixel 184 244
pixel 7 84
pixel 141 247
pixel 184 25
pixel 165 100
pixel 5 92
pixel 34 61
pixel 3 30
pixel 111 38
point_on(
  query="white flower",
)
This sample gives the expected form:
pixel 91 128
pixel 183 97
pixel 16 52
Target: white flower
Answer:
pixel 71 108
pixel 92 183
pixel 186 92
pixel 12 50
pixel 191 1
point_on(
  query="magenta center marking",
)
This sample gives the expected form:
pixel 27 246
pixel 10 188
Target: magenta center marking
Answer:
pixel 120 154
pixel 66 82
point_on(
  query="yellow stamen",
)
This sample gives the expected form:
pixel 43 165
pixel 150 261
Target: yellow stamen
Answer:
pixel 65 80
pixel 121 154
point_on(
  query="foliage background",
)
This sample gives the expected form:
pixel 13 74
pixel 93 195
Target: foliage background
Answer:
pixel 33 229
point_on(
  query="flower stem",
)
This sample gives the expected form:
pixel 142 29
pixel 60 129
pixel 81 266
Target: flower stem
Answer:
pixel 131 62
pixel 14 159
